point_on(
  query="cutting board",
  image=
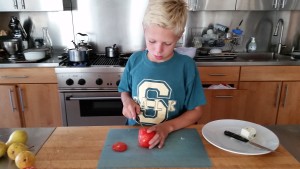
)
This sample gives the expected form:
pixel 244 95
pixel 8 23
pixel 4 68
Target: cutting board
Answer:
pixel 183 148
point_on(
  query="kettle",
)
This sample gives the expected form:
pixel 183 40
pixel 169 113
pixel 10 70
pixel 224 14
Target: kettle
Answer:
pixel 82 40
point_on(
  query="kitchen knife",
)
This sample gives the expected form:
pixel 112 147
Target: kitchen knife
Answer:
pixel 240 138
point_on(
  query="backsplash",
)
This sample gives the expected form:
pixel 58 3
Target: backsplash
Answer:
pixel 119 22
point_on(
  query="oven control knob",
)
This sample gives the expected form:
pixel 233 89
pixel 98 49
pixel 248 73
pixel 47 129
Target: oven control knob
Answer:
pixel 99 81
pixel 81 82
pixel 69 82
pixel 118 82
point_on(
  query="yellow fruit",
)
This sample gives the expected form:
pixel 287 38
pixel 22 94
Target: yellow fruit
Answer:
pixel 14 149
pixel 25 159
pixel 3 149
pixel 18 136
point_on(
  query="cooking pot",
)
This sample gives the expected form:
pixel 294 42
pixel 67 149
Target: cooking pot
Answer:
pixel 78 55
pixel 112 51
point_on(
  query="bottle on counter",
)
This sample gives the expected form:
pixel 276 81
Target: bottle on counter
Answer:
pixel 252 45
pixel 47 40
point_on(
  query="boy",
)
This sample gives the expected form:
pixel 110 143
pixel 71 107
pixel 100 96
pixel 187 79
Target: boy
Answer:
pixel 160 85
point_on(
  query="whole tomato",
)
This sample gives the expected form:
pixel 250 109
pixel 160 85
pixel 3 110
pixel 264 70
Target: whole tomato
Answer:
pixel 119 147
pixel 145 137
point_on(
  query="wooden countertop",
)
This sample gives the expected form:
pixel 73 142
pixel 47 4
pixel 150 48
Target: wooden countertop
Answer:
pixel 80 147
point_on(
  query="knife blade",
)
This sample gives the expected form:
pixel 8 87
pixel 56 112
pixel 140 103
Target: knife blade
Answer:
pixel 240 138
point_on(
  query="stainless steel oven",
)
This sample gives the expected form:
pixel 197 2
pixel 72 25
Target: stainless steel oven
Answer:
pixel 92 108
pixel 89 96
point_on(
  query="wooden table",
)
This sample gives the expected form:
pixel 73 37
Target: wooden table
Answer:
pixel 80 147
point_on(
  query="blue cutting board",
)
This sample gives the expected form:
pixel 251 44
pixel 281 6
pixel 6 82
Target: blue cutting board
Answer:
pixel 183 148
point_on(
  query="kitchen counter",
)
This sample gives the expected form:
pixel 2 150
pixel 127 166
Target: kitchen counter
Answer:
pixel 36 138
pixel 53 61
pixel 80 147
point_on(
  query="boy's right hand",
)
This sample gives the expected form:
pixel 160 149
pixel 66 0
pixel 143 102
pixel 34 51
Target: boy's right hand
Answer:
pixel 130 109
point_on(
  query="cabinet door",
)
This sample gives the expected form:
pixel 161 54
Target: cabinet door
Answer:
pixel 206 5
pixel 42 5
pixel 9 112
pixel 9 5
pixel 289 108
pixel 262 101
pixel 224 104
pixel 40 105
pixel 263 5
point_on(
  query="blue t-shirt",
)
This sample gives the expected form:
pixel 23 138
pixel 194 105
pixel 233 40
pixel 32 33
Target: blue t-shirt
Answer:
pixel 163 90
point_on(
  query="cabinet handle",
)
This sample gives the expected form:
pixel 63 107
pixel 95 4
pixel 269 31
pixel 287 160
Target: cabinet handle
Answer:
pixel 275 4
pixel 225 96
pixel 282 4
pixel 21 99
pixel 15 4
pixel 285 95
pixel 23 4
pixel 277 96
pixel 216 74
pixel 12 100
pixel 12 77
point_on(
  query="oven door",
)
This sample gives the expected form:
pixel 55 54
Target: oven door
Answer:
pixel 92 108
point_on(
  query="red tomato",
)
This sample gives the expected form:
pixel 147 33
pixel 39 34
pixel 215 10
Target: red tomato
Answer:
pixel 119 147
pixel 145 137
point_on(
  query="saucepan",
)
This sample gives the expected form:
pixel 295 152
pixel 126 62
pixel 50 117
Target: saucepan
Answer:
pixel 112 51
pixel 78 55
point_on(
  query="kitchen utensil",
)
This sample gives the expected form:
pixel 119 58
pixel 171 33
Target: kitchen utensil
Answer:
pixel 83 40
pixel 182 149
pixel 213 132
pixel 137 120
pixel 240 138
pixel 35 54
pixel 240 24
pixel 77 55
pixel 112 51
pixel 12 47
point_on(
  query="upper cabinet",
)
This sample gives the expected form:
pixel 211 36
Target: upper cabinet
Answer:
pixel 263 5
pixel 210 5
pixel 297 5
pixel 30 5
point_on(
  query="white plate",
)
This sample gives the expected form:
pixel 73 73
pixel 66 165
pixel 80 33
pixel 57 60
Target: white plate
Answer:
pixel 213 132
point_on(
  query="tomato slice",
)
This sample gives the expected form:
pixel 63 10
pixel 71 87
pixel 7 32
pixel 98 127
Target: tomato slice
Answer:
pixel 119 147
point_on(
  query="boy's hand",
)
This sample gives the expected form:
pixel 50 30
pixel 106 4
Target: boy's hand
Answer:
pixel 162 131
pixel 130 109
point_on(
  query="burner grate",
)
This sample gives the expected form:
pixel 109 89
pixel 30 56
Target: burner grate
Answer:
pixel 103 60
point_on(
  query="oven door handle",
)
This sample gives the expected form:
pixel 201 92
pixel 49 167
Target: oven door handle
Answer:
pixel 92 98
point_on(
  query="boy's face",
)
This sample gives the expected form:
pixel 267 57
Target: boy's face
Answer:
pixel 160 43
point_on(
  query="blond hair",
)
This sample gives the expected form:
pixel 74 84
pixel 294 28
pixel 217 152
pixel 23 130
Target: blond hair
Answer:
pixel 169 14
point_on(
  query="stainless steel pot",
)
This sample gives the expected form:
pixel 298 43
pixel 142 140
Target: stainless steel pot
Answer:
pixel 12 46
pixel 76 55
pixel 112 51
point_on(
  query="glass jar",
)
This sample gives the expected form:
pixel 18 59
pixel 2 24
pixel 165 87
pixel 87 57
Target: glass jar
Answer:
pixel 47 39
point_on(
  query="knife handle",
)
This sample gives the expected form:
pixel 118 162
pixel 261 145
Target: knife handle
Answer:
pixel 233 135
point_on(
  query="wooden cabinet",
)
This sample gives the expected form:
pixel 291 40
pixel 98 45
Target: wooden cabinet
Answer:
pixel 9 109
pixel 222 103
pixel 32 94
pixel 274 94
pixel 30 5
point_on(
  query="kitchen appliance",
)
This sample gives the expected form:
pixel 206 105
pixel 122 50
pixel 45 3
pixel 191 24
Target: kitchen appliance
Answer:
pixel 17 30
pixel 88 91
pixel 13 47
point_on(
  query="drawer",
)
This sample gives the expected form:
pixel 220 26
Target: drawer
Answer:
pixel 219 74
pixel 270 73
pixel 27 75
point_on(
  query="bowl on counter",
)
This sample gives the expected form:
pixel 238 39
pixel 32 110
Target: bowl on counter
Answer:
pixel 35 54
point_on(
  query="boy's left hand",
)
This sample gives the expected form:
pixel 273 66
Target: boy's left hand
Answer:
pixel 162 131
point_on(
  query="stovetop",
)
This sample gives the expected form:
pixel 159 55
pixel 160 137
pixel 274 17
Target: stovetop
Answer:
pixel 96 60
